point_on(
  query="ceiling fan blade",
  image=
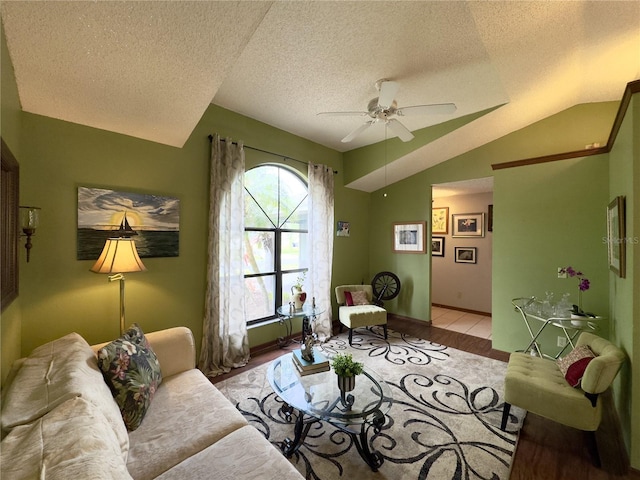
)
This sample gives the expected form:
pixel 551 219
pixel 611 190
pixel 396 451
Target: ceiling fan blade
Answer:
pixel 388 92
pixel 357 131
pixel 400 130
pixel 342 114
pixel 434 109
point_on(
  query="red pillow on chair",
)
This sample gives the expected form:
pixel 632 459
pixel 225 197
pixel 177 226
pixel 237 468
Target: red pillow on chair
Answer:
pixel 575 363
pixel 348 299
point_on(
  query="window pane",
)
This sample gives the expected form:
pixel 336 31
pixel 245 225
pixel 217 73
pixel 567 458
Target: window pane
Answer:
pixel 254 217
pixel 293 201
pixel 276 199
pixel 259 297
pixel 294 250
pixel 259 252
pixel 262 183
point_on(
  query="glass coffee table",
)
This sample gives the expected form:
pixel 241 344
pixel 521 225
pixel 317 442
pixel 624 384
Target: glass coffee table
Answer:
pixel 317 397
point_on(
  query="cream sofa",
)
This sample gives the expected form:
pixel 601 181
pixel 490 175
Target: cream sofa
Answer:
pixel 60 420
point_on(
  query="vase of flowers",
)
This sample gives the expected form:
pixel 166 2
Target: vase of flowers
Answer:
pixel 298 296
pixel 583 282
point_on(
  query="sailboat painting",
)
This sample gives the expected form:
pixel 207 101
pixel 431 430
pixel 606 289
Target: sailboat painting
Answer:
pixel 153 222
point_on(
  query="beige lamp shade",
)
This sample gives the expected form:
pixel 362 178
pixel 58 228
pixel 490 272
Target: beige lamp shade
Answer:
pixel 119 255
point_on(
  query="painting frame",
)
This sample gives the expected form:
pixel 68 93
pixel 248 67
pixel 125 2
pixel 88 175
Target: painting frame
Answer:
pixel 409 237
pixel 466 254
pixel 616 226
pixel 343 229
pixel 440 220
pixel 467 225
pixel 152 220
pixel 490 218
pixel 10 195
pixel 437 246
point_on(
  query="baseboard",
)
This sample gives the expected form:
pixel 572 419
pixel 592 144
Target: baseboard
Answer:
pixel 460 309
pixel 415 321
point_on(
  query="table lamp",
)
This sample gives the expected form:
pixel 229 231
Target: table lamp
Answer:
pixel 119 256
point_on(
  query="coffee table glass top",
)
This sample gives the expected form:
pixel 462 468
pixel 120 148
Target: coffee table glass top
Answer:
pixel 318 394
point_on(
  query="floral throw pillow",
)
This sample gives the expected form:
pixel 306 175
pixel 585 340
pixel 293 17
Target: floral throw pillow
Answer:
pixel 131 369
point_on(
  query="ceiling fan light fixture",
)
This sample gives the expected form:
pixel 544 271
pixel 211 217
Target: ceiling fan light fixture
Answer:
pixel 385 108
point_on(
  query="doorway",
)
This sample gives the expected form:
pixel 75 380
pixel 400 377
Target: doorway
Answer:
pixel 461 263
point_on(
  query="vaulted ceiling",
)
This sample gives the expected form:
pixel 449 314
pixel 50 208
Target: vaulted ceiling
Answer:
pixel 149 69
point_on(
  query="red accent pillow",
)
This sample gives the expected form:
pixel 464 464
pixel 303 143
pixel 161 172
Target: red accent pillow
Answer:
pixel 348 299
pixel 575 363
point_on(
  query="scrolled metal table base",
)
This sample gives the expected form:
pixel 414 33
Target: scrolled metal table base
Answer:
pixel 371 457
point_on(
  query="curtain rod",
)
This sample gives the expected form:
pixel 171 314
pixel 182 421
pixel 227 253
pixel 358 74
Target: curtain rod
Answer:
pixel 284 157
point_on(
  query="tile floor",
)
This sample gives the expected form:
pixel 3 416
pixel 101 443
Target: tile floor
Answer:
pixel 463 322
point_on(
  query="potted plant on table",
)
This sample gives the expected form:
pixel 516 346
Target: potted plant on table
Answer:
pixel 346 369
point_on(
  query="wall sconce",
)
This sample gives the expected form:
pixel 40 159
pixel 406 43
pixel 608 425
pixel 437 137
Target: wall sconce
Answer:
pixel 29 220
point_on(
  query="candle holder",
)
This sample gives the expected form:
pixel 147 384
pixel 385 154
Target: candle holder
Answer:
pixel 29 221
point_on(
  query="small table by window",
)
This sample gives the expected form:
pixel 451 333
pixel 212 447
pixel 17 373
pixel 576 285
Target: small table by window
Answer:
pixel 308 314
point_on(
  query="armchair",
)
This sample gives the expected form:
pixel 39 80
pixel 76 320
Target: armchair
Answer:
pixel 538 386
pixel 363 315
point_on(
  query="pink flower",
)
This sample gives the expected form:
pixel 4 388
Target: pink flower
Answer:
pixel 584 282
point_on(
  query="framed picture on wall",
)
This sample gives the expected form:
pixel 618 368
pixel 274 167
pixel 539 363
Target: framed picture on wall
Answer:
pixel 440 220
pixel 409 237
pixel 153 221
pixel 467 225
pixel 343 229
pixel 490 219
pixel 616 232
pixel 465 254
pixel 437 246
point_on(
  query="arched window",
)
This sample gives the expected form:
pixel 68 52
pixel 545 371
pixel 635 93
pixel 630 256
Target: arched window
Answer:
pixel 275 239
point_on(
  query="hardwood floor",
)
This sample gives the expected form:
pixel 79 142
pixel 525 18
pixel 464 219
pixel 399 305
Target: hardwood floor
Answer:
pixel 545 450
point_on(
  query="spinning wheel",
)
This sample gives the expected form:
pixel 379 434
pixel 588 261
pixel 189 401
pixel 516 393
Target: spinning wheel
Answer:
pixel 386 286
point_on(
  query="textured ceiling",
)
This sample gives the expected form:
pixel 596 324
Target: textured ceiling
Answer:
pixel 149 69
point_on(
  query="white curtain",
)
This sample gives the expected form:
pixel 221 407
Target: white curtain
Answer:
pixel 225 342
pixel 321 244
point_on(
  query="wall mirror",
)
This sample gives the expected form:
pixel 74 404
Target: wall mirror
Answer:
pixel 9 226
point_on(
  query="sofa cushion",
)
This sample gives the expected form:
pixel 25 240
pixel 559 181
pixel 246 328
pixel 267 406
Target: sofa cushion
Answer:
pixel 575 363
pixel 73 440
pixel 54 373
pixel 259 459
pixel 131 369
pixel 187 415
pixel 362 315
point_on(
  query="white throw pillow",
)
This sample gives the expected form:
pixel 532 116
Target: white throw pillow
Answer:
pixel 74 440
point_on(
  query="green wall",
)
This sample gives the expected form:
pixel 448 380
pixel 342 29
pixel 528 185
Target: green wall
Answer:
pixel 548 216
pixel 624 307
pixel 410 199
pixel 59 294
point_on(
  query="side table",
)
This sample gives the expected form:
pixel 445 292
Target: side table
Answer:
pixel 308 314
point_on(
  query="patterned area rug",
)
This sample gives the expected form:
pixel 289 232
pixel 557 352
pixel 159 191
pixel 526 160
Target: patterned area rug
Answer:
pixel 444 422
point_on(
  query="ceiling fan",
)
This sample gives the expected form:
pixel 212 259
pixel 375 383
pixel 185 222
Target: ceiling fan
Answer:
pixel 384 109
